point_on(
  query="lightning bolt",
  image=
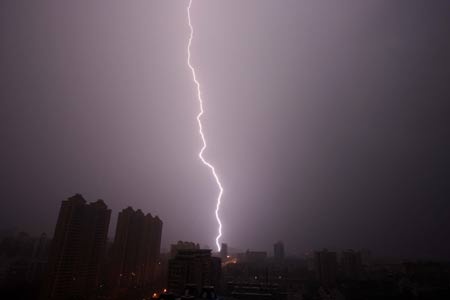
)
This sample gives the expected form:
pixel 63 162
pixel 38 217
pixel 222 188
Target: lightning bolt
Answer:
pixel 200 126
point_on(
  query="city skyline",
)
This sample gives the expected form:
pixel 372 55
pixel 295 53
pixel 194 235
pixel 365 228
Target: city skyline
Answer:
pixel 328 122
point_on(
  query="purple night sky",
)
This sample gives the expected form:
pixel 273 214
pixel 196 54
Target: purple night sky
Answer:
pixel 328 121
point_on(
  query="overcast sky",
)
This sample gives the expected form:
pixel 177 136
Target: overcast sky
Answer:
pixel 328 121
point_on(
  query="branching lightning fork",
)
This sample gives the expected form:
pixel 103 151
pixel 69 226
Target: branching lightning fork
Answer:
pixel 200 126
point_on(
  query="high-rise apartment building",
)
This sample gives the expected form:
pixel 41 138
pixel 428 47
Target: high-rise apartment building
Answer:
pixel 136 249
pixel 77 249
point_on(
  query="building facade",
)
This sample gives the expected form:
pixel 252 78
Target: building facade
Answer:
pixel 278 251
pixel 136 249
pixel 77 249
pixel 194 267
pixel 181 245
pixel 325 263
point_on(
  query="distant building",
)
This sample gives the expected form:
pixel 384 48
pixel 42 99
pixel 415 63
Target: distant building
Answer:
pixel 77 249
pixel 325 264
pixel 39 259
pixel 193 268
pixel 174 248
pixel 224 251
pixel 136 248
pixel 278 251
pixel 351 264
pixel 23 260
pixel 17 245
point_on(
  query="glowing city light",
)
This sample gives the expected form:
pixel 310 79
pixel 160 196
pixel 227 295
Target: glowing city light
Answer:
pixel 200 126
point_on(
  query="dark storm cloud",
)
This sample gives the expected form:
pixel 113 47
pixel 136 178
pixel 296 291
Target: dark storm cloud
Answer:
pixel 327 120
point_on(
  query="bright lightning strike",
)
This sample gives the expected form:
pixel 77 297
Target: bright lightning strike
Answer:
pixel 200 127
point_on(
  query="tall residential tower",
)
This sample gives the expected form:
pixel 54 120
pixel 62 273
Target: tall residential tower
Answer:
pixel 136 248
pixel 77 249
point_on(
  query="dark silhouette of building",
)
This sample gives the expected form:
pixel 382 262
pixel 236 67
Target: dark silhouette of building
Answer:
pixel 325 263
pixel 224 251
pixel 39 259
pixel 23 261
pixel 77 249
pixel 19 245
pixel 194 267
pixel 278 251
pixel 136 249
pixel 351 264
pixel 180 245
pixel 15 259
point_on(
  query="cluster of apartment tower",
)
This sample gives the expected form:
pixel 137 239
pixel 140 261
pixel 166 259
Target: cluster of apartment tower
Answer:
pixel 80 261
